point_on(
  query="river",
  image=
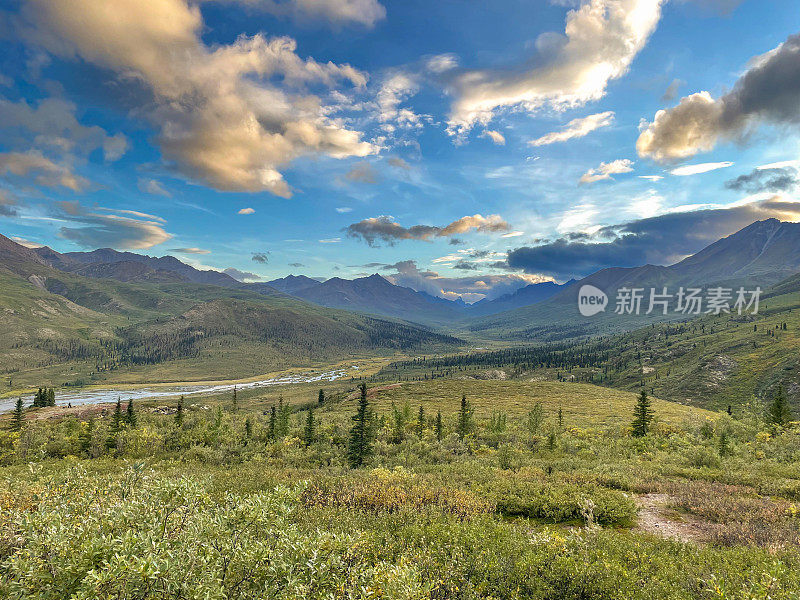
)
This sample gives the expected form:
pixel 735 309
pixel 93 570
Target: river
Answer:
pixel 98 396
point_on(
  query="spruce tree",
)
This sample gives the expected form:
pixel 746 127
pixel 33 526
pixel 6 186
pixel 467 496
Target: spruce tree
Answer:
pixel 179 413
pixel 779 413
pixel 464 427
pixel 273 423
pixel 439 429
pixel 282 425
pixel 360 443
pixel 18 417
pixel 309 431
pixel 560 418
pixel 130 415
pixel 235 405
pixel 85 437
pixel 116 426
pixel 535 419
pixel 642 415
pixel 248 429
pixel 51 397
pixel 321 397
pixel 421 421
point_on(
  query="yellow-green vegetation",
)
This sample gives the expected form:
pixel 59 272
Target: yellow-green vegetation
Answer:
pixel 520 490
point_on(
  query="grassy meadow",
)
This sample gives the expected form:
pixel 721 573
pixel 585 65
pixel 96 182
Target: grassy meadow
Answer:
pixel 540 492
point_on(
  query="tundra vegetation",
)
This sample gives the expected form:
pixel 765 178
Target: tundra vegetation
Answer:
pixel 434 489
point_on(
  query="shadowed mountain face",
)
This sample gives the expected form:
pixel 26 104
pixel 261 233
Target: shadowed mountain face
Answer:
pixel 762 254
pixel 374 294
pixel 291 284
pixel 117 265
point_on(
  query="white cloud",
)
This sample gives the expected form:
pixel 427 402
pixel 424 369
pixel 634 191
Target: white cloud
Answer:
pixel 512 234
pixel 221 117
pixel 330 241
pixel 606 170
pixel 190 251
pixel 600 40
pixel 343 209
pixel 700 168
pixel 117 230
pixel 784 164
pixel 365 12
pixel 577 128
pixel 152 186
pixel 497 137
pixel 47 172
pixel 246 211
pixel 652 178
pixel 441 63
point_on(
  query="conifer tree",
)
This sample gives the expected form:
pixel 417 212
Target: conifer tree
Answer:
pixel 235 405
pixel 273 423
pixel 321 397
pixel 248 429
pixel 421 421
pixel 179 413
pixel 309 431
pixel 779 413
pixel 642 415
pixel 130 415
pixel 18 417
pixel 282 425
pixel 535 419
pixel 85 437
pixel 360 442
pixel 218 418
pixel 464 427
pixel 116 426
pixel 51 397
pixel 439 428
pixel 560 418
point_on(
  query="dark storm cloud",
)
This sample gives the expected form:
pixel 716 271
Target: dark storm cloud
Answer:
pixel 764 180
pixel 261 257
pixel 657 240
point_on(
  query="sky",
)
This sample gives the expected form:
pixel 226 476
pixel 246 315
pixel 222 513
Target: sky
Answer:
pixel 458 147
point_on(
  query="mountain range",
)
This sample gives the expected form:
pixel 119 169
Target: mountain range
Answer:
pixel 115 307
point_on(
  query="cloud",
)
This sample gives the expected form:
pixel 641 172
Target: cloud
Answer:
pixel 119 230
pixel 652 178
pixel 765 180
pixel 767 93
pixel 151 186
pixel 55 126
pixel 471 288
pixel 600 40
pixel 363 172
pixel 399 163
pixel 700 168
pixel 512 234
pixel 497 137
pixel 241 275
pixel 659 240
pixel 246 211
pixel 330 241
pixel 8 205
pixel 47 172
pixel 672 90
pixel 364 12
pixel 343 209
pixel 190 251
pixel 577 128
pixel 441 63
pixel 296 265
pixel 397 87
pixel 385 229
pixel 222 116
pixel 606 170
pixel 27 243
pixel 261 257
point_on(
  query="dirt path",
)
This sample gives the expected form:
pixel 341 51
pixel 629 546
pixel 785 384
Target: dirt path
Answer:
pixel 656 518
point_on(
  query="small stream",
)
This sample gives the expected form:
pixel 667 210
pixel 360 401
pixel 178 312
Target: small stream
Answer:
pixel 99 396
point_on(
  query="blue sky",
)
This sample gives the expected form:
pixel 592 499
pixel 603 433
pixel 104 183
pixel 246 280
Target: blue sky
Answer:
pixel 461 148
